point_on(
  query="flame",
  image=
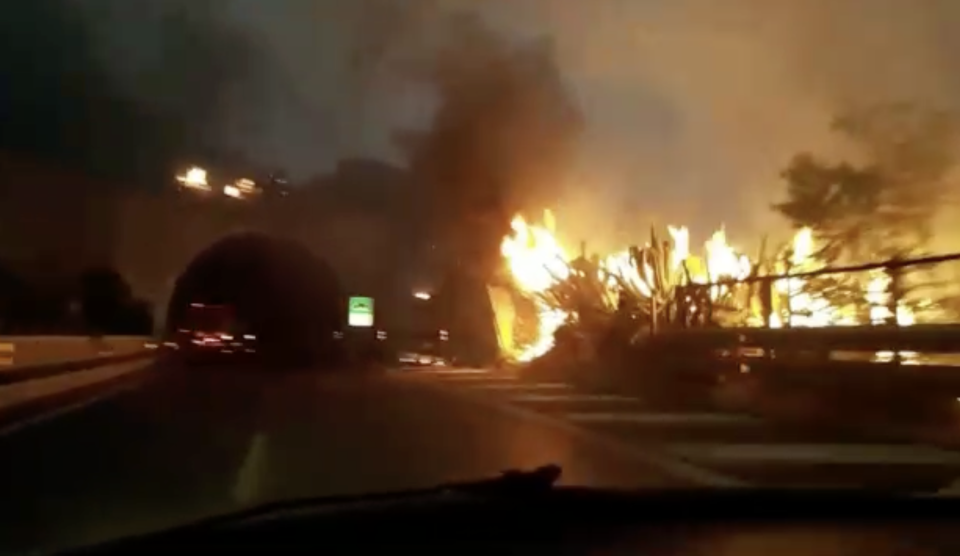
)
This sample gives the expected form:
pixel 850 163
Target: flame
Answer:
pixel 537 261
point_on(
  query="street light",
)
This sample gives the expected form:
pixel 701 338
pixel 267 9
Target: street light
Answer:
pixel 422 295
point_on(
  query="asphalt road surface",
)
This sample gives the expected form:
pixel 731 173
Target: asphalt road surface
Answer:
pixel 193 442
pixel 688 439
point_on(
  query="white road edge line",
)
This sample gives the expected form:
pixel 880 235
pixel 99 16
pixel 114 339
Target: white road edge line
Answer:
pixel 549 398
pixel 247 484
pixel 801 454
pixel 451 372
pixel 67 409
pixel 671 465
pixel 522 386
pixel 663 419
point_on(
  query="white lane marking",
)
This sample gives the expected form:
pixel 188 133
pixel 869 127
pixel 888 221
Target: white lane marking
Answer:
pixel 537 398
pixel 665 462
pixel 721 419
pixel 247 486
pixel 816 453
pixel 66 409
pixel 522 386
pixel 477 378
pixel 951 490
pixel 452 372
pixel 7 352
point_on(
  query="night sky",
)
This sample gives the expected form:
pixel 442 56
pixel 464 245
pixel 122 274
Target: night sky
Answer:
pixel 691 106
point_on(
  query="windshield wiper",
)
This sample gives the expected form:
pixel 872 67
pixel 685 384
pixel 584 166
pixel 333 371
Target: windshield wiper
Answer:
pixel 511 482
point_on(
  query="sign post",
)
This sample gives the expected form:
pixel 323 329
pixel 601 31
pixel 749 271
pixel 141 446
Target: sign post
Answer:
pixel 360 312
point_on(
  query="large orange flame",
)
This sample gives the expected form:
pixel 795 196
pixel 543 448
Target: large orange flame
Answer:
pixel 538 261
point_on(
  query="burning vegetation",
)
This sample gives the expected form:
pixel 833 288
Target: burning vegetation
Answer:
pixel 846 215
pixel 664 283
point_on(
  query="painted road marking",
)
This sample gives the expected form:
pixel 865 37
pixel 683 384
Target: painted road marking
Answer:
pixel 666 462
pixel 7 352
pixel 70 408
pixel 247 485
pixel 721 419
pixel 522 386
pixel 477 378
pixel 454 372
pixel 537 398
pixel 816 453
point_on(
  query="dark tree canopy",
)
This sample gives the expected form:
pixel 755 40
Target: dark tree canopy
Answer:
pixel 883 206
pixel 60 101
pixel 108 306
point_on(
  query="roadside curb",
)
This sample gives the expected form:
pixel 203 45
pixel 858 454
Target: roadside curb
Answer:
pixel 20 416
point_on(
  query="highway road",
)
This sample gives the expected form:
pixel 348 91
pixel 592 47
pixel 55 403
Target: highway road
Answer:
pixel 192 442
pixel 689 438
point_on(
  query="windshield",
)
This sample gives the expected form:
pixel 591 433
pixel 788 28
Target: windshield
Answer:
pixel 684 243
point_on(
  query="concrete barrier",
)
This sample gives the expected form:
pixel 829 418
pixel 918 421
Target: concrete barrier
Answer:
pixel 30 351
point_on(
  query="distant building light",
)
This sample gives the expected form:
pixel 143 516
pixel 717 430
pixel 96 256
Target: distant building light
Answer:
pixel 245 185
pixel 422 295
pixel 232 191
pixel 194 178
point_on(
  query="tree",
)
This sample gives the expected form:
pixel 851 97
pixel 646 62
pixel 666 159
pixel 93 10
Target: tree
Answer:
pixel 138 318
pixel 884 206
pixel 104 298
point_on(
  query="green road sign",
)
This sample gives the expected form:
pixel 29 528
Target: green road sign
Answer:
pixel 360 312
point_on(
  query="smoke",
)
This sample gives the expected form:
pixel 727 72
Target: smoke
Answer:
pixel 500 140
pixel 694 106
pixel 690 107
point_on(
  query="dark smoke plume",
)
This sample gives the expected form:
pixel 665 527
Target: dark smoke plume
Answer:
pixel 500 142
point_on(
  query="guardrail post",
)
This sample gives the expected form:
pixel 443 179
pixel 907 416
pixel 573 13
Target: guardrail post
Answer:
pixel 895 292
pixel 766 301
pixel 654 309
pixel 894 271
pixel 683 306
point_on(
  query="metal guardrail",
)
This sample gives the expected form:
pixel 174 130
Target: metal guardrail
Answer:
pixel 682 314
pixel 823 356
pixel 859 362
pixel 923 338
